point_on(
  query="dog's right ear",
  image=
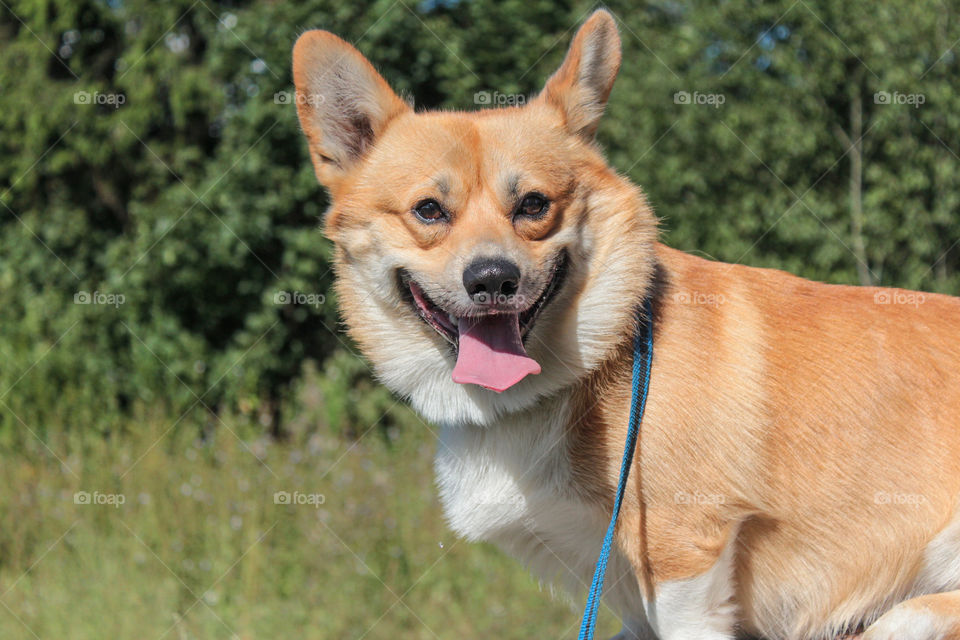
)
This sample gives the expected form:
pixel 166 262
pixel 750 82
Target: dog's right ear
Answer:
pixel 342 102
pixel 581 86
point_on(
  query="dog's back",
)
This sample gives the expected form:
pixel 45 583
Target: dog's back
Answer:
pixel 825 425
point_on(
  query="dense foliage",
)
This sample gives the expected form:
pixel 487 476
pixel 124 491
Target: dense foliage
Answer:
pixel 149 152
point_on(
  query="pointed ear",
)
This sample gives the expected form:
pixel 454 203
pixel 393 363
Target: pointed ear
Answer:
pixel 582 84
pixel 342 102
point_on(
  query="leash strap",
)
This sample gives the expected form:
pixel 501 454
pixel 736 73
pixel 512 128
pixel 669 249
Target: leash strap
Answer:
pixel 642 360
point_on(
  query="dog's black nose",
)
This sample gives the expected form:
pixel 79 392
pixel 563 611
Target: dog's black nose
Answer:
pixel 485 279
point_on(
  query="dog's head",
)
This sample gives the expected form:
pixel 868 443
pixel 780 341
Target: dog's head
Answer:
pixel 476 249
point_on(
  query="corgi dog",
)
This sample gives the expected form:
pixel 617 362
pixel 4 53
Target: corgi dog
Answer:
pixel 797 472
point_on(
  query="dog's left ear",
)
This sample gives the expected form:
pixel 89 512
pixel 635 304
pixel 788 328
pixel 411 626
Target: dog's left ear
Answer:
pixel 582 84
pixel 344 105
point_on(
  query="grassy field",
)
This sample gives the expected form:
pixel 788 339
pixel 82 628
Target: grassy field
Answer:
pixel 159 534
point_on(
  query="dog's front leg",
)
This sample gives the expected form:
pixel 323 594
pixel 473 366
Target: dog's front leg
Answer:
pixel 698 606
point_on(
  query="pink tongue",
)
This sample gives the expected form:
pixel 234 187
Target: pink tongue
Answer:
pixel 491 353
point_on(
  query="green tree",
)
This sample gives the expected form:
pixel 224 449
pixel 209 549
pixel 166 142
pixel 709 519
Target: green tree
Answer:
pixel 151 151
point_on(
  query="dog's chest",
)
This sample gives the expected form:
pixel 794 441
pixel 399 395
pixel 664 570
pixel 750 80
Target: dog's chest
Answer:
pixel 511 484
pixel 495 479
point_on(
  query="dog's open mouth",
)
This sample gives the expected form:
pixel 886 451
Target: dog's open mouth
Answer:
pixel 489 346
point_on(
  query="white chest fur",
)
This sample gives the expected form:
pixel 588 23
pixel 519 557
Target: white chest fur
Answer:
pixel 511 484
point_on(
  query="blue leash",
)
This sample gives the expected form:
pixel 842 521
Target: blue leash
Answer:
pixel 642 360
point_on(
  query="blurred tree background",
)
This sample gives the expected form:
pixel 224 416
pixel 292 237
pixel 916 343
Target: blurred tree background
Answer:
pixel 151 151
pixel 163 277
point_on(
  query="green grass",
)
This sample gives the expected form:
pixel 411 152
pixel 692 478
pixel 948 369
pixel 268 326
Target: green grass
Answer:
pixel 199 549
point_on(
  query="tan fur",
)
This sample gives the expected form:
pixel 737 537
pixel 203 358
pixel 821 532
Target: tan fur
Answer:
pixel 782 413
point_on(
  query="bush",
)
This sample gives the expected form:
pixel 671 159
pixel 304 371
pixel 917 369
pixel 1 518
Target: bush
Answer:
pixel 155 170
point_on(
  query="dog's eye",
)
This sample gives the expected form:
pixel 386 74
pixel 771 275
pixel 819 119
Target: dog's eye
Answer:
pixel 532 205
pixel 429 211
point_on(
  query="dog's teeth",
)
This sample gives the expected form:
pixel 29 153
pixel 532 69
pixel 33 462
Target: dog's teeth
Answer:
pixel 454 320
